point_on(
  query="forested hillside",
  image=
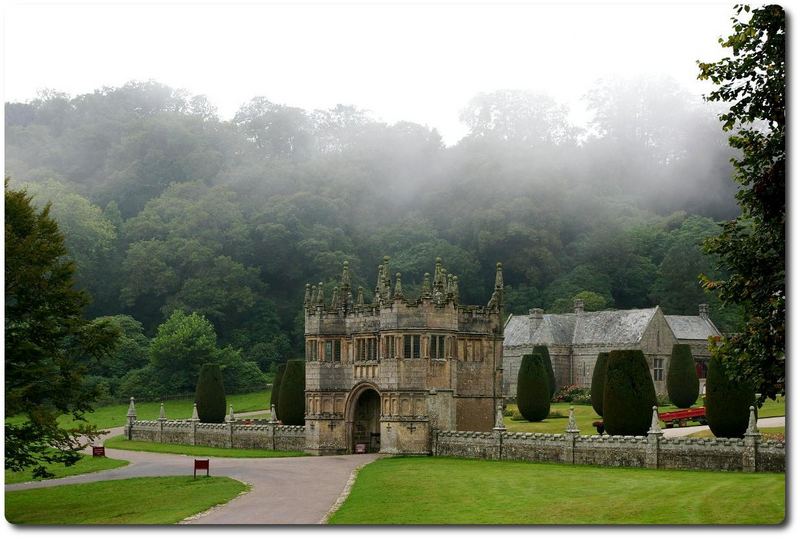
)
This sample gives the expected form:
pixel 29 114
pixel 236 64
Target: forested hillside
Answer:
pixel 166 207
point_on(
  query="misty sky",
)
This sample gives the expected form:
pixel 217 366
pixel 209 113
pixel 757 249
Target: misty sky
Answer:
pixel 420 63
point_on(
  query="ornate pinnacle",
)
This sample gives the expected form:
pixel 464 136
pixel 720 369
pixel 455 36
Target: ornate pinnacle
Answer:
pixel 346 274
pixel 320 295
pixel 398 287
pixel 426 286
pixel 387 280
pixel 360 296
pixel 335 298
pixel 307 298
pixel 455 289
pixel 498 284
pixel 655 426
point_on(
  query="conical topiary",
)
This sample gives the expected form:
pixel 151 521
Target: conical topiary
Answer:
pixel 683 387
pixel 533 388
pixel 599 382
pixel 292 399
pixel 210 394
pixel 276 389
pixel 727 402
pixel 629 394
pixel 548 365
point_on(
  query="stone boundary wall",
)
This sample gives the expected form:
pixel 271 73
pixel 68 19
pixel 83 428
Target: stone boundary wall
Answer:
pixel 750 454
pixel 228 434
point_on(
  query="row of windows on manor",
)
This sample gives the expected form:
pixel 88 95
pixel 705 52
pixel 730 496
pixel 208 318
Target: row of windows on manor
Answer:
pixel 658 370
pixel 393 346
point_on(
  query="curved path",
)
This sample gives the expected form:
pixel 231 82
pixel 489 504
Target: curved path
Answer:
pixel 290 490
pixel 685 431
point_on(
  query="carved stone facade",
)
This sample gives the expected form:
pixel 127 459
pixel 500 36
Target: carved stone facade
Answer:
pixel 382 376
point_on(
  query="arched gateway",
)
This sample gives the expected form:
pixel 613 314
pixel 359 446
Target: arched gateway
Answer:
pixel 363 420
pixel 387 374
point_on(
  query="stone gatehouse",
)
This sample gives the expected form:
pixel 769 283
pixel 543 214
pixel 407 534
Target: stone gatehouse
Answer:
pixel 381 376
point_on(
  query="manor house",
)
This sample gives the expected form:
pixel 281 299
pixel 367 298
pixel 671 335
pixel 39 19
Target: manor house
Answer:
pixel 574 340
pixel 381 376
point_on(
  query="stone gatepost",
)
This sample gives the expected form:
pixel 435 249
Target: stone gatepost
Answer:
pixel 752 438
pixel 131 418
pixel 654 437
pixel 195 419
pixel 230 419
pixel 499 430
pixel 572 433
pixel 162 417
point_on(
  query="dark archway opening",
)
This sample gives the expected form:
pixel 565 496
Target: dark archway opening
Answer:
pixel 366 423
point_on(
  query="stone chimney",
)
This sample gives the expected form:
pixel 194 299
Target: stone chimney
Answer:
pixel 703 310
pixel 578 306
pixel 535 317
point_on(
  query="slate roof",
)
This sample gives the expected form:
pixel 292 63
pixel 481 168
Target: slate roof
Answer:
pixel 601 327
pixel 691 327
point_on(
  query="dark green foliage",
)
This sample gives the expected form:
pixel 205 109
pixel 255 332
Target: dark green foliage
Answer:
pixel 292 398
pixel 548 365
pixel 751 249
pixel 48 342
pixel 210 394
pixel 683 387
pixel 629 394
pixel 533 388
pixel 727 402
pixel 599 382
pixel 276 389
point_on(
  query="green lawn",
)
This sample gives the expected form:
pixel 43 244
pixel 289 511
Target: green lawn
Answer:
pixel 585 415
pixel 87 464
pixel 151 500
pixel 436 490
pixel 116 415
pixel 120 442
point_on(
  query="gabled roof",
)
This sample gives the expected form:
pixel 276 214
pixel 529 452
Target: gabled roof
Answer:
pixel 691 327
pixel 552 329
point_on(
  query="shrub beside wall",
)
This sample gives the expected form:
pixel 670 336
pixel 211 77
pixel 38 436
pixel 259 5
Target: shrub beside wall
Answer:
pixel 533 388
pixel 548 365
pixel 599 382
pixel 276 387
pixel 727 402
pixel 210 394
pixel 629 394
pixel 683 387
pixel 292 399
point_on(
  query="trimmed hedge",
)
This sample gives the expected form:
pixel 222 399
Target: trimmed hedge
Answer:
pixel 548 365
pixel 727 402
pixel 533 388
pixel 629 394
pixel 683 386
pixel 276 389
pixel 292 398
pixel 599 382
pixel 210 394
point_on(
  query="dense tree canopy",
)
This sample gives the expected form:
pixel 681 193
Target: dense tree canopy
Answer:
pixel 752 247
pixel 174 209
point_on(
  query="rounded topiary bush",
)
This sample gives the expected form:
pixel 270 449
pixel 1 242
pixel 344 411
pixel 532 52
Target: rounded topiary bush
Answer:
pixel 599 382
pixel 548 365
pixel 292 399
pixel 683 387
pixel 533 388
pixel 629 394
pixel 210 394
pixel 727 402
pixel 276 389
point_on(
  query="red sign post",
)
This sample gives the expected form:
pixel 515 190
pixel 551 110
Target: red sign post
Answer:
pixel 201 465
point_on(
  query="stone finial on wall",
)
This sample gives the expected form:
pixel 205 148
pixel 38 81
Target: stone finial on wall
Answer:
pixel 572 425
pixel 273 417
pixel 655 426
pixel 162 415
pixel 320 295
pixel 752 425
pixel 132 411
pixel 194 417
pixel 426 286
pixel 498 420
pixel 230 418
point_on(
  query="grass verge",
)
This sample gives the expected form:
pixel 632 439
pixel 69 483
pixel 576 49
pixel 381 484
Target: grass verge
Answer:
pixel 151 500
pixel 437 490
pixel 120 442
pixel 87 464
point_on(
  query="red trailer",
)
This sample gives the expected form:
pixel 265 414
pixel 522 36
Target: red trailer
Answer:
pixel 681 417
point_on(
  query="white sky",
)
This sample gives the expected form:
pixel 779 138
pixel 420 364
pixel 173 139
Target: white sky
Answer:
pixel 420 63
